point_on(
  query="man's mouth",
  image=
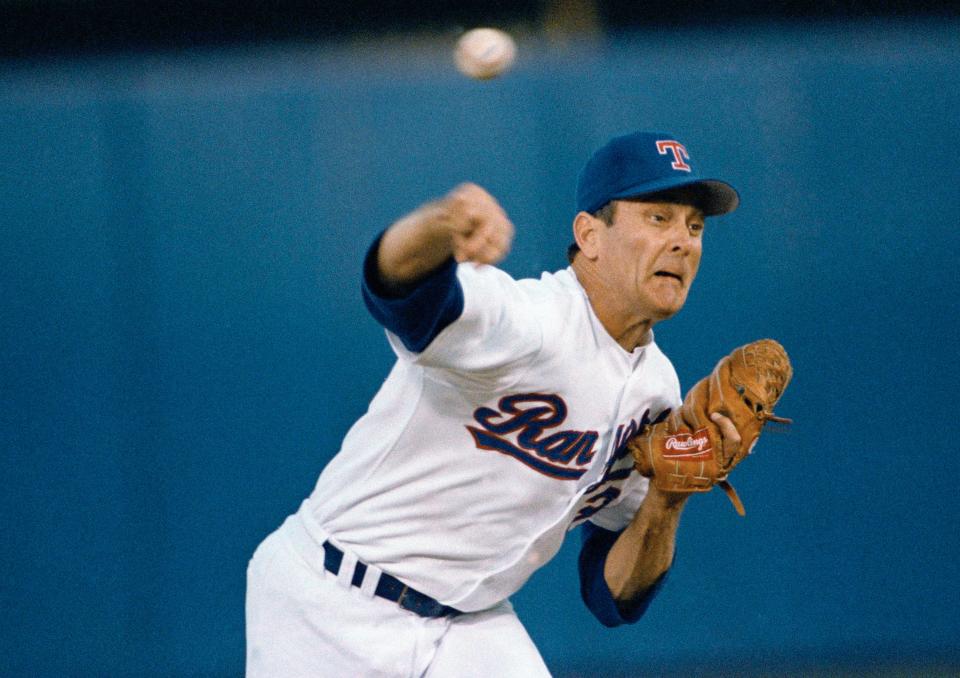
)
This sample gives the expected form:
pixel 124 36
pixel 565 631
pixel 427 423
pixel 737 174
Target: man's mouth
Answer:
pixel 669 274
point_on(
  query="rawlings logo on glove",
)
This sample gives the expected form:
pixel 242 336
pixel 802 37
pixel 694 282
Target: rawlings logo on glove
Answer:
pixel 685 452
pixel 679 446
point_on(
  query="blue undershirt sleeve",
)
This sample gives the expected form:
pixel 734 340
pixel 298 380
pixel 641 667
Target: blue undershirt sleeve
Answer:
pixel 596 544
pixel 421 312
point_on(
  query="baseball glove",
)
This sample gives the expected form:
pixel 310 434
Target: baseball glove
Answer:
pixel 684 452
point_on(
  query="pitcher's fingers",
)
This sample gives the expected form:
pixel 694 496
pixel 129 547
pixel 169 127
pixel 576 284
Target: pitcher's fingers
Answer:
pixel 730 436
pixel 500 238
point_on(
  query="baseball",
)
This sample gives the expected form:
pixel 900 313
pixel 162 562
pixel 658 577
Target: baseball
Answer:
pixel 484 53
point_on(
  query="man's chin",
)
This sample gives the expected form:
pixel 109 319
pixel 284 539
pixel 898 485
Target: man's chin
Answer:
pixel 665 315
pixel 668 310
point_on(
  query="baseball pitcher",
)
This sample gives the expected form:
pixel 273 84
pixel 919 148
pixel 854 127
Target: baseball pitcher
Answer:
pixel 517 411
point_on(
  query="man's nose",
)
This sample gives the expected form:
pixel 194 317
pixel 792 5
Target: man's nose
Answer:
pixel 681 239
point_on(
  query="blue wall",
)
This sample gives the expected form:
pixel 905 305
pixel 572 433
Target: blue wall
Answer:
pixel 183 343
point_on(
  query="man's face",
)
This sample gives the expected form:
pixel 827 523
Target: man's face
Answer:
pixel 650 254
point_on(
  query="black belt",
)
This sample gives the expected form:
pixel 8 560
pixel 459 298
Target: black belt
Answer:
pixel 388 587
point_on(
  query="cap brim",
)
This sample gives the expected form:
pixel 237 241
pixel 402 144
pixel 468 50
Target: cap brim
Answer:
pixel 713 196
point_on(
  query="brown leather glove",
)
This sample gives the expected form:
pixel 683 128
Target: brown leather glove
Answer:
pixel 684 453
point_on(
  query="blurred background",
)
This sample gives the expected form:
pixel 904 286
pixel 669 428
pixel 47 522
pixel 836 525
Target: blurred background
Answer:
pixel 186 192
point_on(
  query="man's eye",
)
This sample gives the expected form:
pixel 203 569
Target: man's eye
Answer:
pixel 696 228
pixel 657 217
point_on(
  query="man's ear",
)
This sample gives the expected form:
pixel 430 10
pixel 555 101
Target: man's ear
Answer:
pixel 585 228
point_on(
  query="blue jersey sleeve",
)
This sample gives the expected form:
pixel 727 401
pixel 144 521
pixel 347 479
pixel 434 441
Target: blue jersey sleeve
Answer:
pixel 596 544
pixel 419 314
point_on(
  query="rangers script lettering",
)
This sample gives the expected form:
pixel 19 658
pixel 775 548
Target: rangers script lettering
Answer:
pixel 530 415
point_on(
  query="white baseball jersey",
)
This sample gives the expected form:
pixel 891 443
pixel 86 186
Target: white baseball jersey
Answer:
pixel 481 451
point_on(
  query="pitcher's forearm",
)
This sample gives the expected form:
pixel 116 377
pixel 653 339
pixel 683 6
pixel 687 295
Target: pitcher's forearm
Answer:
pixel 415 245
pixel 467 224
pixel 644 551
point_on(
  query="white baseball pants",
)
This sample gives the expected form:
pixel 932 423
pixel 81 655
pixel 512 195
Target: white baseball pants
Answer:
pixel 302 621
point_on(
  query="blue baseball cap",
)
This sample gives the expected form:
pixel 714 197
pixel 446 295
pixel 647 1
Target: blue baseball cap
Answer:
pixel 643 163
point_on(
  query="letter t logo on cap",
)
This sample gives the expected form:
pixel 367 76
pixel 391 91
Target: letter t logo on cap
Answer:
pixel 679 153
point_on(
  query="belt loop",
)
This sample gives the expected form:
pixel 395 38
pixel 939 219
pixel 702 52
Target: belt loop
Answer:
pixel 370 580
pixel 403 594
pixel 345 575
